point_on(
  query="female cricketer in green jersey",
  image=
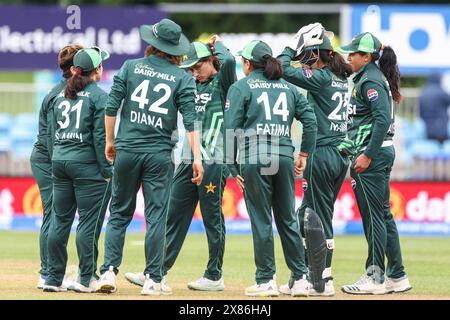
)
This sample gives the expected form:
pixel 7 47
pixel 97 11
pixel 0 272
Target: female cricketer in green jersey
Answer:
pixel 259 112
pixel 151 91
pixel 324 76
pixel 376 87
pixel 41 164
pixel 81 172
pixel 214 69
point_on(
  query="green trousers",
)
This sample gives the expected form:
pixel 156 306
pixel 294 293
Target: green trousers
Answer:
pixel 42 172
pixel 264 192
pixel 372 193
pixel 184 197
pixel 324 174
pixel 155 172
pixel 76 186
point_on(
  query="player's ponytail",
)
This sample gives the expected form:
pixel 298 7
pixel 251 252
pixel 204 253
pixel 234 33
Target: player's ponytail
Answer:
pixel 271 66
pixel 77 83
pixel 388 65
pixel 335 63
pixel 214 59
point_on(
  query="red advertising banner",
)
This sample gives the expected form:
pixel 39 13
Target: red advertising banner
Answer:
pixel 410 201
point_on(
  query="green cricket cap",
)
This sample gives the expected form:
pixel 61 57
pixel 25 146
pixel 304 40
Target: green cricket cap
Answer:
pixel 365 42
pixel 255 51
pixel 165 36
pixel 90 58
pixel 197 51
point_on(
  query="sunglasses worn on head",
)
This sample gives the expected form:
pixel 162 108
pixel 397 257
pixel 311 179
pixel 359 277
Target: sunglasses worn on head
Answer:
pixel 96 49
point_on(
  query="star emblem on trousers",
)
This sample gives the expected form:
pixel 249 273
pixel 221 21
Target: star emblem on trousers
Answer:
pixel 210 188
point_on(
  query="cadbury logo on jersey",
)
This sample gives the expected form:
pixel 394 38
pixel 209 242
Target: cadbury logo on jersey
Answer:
pixel 307 73
pixel 372 94
pixel 144 66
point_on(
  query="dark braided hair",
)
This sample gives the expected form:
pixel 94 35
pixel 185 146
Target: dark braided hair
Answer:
pixel 389 67
pixel 335 63
pixel 77 82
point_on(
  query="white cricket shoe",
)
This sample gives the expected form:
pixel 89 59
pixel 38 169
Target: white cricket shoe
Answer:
pixel 78 287
pixel 137 278
pixel 107 282
pixel 204 284
pixel 41 283
pixel 328 292
pixel 268 289
pixel 165 288
pixel 365 285
pixel 151 288
pixel 300 288
pixel 49 288
pixel 284 289
pixel 65 284
pixel 397 285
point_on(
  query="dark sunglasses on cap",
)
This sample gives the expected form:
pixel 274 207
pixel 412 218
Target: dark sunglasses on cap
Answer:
pixel 97 49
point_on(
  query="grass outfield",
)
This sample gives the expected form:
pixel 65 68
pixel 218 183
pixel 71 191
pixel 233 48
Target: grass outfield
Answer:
pixel 426 259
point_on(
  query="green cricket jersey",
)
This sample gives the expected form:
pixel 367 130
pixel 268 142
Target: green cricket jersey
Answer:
pixel 265 109
pixel 372 111
pixel 80 128
pixel 327 94
pixel 209 104
pixel 153 90
pixel 42 148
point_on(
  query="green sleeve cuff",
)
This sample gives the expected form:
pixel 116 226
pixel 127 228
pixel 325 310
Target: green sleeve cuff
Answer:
pixel 111 112
pixel 370 154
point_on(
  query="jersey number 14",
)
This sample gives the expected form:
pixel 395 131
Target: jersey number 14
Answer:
pixel 279 108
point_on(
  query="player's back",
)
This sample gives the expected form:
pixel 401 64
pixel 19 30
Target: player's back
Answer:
pixel 269 112
pixel 155 89
pixel 76 121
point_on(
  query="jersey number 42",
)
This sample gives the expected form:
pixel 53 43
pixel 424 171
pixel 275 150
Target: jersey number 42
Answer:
pixel 139 95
